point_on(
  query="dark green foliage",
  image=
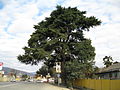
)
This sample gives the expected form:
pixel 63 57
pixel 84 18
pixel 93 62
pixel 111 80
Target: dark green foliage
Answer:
pixel 74 70
pixel 60 38
pixel 25 77
pixel 115 62
pixel 62 32
pixel 43 71
pixel 107 60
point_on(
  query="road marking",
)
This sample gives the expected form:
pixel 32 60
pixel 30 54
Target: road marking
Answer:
pixel 8 85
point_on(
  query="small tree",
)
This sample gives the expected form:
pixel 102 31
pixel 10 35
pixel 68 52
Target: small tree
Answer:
pixel 24 77
pixel 115 62
pixel 43 71
pixel 107 60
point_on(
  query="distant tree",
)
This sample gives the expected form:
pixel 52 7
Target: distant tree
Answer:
pixel 115 62
pixel 107 60
pixel 24 77
pixel 96 69
pixel 60 38
pixel 44 70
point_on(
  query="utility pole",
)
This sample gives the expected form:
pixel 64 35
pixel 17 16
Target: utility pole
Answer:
pixel 58 72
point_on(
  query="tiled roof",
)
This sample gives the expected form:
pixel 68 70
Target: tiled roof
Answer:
pixel 113 67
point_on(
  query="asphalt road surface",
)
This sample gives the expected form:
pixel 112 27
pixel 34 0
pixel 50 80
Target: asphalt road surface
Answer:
pixel 28 86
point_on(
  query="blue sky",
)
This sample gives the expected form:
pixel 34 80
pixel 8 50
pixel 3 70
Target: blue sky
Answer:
pixel 17 18
pixel 1 5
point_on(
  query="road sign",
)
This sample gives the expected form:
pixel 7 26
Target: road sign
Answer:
pixel 1 65
pixel 58 67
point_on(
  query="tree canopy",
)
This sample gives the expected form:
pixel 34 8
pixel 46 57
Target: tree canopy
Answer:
pixel 43 71
pixel 60 38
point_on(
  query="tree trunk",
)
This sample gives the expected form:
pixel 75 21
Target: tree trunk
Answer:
pixel 63 74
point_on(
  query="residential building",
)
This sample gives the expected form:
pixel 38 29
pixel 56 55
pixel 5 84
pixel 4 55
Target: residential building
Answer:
pixel 111 72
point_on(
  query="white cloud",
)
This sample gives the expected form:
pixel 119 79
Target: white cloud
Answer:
pixel 18 17
pixel 106 37
pixel 21 26
pixel 46 3
pixel 106 41
pixel 16 25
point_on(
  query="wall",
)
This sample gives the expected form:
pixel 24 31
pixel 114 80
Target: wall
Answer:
pixel 96 84
pixel 4 79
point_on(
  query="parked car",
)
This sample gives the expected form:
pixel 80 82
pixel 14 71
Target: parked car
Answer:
pixel 30 80
pixel 42 80
pixel 39 81
pixel 13 80
pixel 51 80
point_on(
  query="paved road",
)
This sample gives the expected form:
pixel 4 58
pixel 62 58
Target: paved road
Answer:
pixel 29 86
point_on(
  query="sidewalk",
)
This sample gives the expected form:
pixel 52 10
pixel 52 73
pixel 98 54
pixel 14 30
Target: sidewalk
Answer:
pixel 54 87
pixel 62 87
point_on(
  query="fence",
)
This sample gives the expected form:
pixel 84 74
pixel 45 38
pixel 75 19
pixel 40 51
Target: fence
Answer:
pixel 4 79
pixel 98 84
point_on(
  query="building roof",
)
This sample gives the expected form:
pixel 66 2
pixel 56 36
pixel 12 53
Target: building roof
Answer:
pixel 114 67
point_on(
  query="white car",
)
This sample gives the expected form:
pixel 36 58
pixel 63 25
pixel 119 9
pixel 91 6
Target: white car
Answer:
pixel 42 80
pixel 39 81
pixel 51 80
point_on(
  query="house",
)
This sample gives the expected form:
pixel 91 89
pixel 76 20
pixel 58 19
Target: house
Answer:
pixel 111 72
